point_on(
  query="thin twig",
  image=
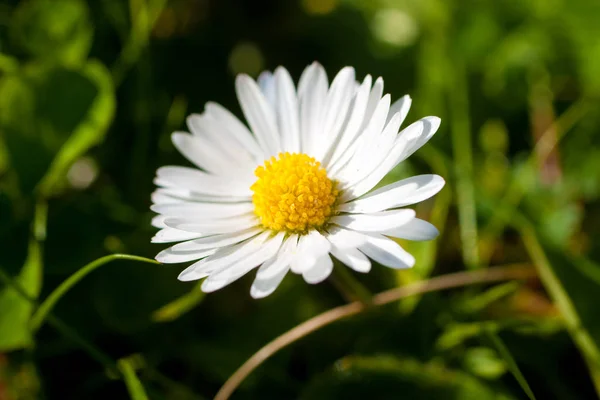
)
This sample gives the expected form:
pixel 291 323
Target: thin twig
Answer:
pixel 438 283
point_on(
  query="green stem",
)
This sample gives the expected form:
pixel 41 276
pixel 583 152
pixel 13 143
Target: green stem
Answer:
pixel 42 312
pixel 61 327
pixel 92 350
pixel 349 287
pixel 180 305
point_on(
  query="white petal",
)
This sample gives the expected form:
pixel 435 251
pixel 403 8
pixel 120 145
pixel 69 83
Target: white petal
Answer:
pixel 430 127
pixel 374 97
pixel 158 222
pixel 231 273
pixel 354 123
pixel 312 91
pixel 281 262
pixel 399 194
pixel 319 271
pixel 409 140
pixel 213 227
pixel 215 241
pixel 352 258
pixel 202 153
pixel 173 195
pixel 344 160
pixel 266 83
pixel 417 229
pixel 200 182
pixel 223 257
pixel 171 256
pixel 160 197
pixel 375 222
pixel 262 287
pixel 210 210
pixel 259 114
pixel 401 106
pixel 235 128
pixel 387 252
pixel 368 141
pixel 381 148
pixel 334 112
pixel 168 235
pixel 287 111
pixel 225 145
pixel 311 247
pixel 344 238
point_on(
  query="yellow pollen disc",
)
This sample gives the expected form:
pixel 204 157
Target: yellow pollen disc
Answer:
pixel 293 193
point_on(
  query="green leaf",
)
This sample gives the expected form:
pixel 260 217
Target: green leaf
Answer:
pixel 91 129
pixel 53 30
pixel 484 362
pixel 50 116
pixel 458 333
pixel 16 303
pixel 478 302
pixel 356 376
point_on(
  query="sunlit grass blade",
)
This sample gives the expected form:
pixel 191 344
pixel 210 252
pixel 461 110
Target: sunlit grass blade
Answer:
pixel 42 312
pixel 144 15
pixel 587 268
pixel 478 302
pixel 463 167
pixel 134 386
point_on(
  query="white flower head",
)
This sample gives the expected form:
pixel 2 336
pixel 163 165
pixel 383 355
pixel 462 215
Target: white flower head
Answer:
pixel 295 188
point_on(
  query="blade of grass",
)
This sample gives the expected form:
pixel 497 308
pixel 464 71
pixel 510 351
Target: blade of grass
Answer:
pixel 579 334
pixel 144 15
pixel 511 363
pixel 42 311
pixel 543 148
pixel 134 386
pixel 463 166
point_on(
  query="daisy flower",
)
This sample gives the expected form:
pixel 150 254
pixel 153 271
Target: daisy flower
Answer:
pixel 294 187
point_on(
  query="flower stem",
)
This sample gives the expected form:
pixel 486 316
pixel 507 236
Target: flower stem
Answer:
pixel 348 286
pixel 443 282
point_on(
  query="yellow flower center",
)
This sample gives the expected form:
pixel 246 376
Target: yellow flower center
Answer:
pixel 293 193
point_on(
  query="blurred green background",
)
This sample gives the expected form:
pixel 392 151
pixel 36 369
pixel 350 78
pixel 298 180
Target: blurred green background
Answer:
pixel 90 92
